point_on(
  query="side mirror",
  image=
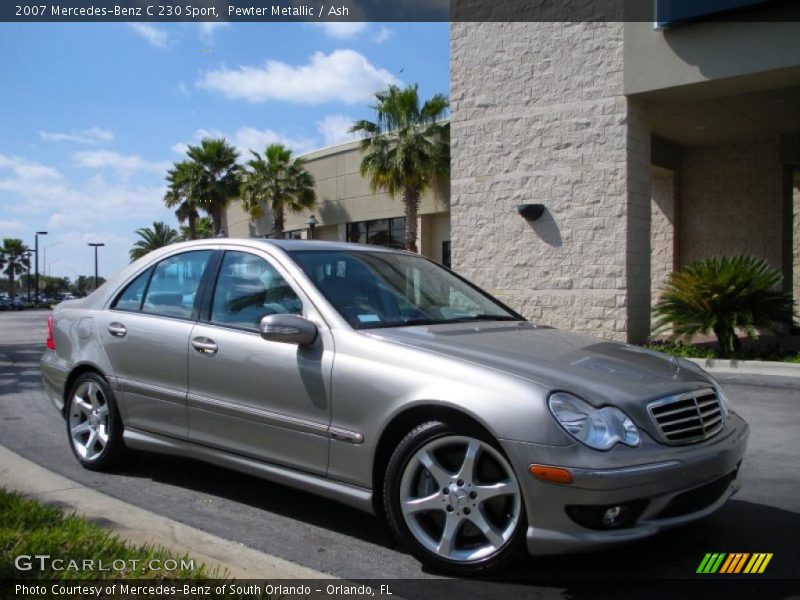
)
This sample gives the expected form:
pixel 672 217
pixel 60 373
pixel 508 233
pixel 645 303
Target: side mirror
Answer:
pixel 289 329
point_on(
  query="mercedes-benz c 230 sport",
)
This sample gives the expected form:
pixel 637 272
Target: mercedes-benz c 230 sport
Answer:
pixel 379 379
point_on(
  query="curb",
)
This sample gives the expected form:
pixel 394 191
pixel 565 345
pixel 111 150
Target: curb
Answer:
pixel 748 367
pixel 141 527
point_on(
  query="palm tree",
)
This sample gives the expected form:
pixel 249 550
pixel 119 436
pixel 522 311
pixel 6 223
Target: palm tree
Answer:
pixel 14 259
pixel 203 229
pixel 213 177
pixel 181 195
pixel 723 295
pixel 406 149
pixel 159 236
pixel 278 183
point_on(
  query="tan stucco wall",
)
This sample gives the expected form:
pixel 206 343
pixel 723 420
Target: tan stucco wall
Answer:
pixel 731 201
pixel 706 52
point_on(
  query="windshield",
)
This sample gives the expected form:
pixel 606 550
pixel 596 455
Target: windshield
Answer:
pixel 383 289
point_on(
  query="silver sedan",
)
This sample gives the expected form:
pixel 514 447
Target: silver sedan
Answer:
pixel 382 380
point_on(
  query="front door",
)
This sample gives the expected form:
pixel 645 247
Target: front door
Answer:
pixel 265 399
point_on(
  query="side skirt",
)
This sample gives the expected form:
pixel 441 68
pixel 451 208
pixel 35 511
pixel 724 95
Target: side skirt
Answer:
pixel 357 497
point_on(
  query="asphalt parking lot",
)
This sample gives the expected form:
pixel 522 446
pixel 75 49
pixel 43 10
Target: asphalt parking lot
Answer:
pixel 763 517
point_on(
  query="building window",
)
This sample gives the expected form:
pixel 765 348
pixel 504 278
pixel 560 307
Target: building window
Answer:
pixel 446 253
pixel 382 232
pixel 297 234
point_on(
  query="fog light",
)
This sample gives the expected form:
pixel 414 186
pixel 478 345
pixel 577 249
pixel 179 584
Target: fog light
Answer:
pixel 614 516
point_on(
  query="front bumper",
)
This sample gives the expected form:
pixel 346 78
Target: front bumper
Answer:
pixel 652 472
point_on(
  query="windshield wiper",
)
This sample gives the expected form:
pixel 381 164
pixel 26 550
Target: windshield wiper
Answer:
pixel 483 318
pixel 464 319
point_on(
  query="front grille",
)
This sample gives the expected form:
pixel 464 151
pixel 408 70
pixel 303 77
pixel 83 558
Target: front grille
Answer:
pixel 688 418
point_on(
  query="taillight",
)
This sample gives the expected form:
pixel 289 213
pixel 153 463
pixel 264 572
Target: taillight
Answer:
pixel 51 344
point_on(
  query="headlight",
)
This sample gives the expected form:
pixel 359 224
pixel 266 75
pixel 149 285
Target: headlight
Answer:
pixel 598 428
pixel 724 403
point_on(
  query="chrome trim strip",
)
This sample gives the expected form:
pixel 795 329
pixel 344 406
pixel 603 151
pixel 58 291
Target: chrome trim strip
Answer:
pixel 153 391
pixel 344 435
pixel 275 419
pixel 357 497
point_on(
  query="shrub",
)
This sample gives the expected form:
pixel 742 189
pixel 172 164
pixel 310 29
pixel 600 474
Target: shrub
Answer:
pixel 723 295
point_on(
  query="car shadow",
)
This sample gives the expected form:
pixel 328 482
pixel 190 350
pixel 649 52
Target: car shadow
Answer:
pixel 282 500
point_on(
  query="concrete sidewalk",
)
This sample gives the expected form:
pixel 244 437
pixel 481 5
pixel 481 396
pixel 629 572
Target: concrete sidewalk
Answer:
pixel 140 526
pixel 748 367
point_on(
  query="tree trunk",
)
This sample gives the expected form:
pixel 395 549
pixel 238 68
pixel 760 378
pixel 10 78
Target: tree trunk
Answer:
pixel 277 219
pixel 192 223
pixel 726 340
pixel 411 201
pixel 216 219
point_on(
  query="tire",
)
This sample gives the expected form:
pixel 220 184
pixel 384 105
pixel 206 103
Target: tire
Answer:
pixel 94 427
pixel 456 515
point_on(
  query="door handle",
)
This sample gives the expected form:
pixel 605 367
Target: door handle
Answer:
pixel 204 345
pixel 117 329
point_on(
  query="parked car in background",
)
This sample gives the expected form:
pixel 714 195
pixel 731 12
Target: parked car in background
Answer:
pixel 16 303
pixel 382 380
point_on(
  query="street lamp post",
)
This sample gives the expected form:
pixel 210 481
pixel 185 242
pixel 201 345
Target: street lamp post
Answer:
pixel 36 270
pixel 28 265
pixel 95 246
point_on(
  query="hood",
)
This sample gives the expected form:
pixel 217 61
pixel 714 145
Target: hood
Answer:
pixel 599 371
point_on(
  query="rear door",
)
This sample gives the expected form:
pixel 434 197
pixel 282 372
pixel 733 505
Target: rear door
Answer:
pixel 265 399
pixel 146 337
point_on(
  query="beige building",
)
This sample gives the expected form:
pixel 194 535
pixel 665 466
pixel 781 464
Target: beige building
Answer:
pixel 348 210
pixel 648 148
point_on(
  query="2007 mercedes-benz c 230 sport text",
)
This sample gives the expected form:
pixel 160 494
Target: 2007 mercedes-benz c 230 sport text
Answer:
pixel 380 379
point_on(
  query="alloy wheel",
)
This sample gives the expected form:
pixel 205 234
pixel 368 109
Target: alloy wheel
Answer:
pixel 89 420
pixel 460 499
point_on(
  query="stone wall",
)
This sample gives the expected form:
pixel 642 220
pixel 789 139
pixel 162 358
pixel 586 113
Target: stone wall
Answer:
pixel 731 201
pixel 662 230
pixel 538 116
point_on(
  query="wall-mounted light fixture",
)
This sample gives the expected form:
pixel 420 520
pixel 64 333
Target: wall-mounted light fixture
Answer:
pixel 311 223
pixel 530 212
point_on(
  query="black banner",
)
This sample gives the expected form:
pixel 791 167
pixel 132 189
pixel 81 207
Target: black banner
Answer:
pixel 663 12
pixel 745 587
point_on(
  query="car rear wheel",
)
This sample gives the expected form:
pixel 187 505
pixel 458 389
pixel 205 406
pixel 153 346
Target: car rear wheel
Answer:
pixel 94 427
pixel 453 499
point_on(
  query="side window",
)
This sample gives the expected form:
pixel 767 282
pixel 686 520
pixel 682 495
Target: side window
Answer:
pixel 131 296
pixel 249 288
pixel 174 284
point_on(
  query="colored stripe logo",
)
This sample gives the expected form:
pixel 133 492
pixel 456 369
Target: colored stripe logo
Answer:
pixel 734 563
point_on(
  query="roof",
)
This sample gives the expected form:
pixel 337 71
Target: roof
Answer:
pixel 293 245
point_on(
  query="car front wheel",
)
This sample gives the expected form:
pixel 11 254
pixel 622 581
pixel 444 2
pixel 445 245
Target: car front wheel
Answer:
pixel 453 499
pixel 94 427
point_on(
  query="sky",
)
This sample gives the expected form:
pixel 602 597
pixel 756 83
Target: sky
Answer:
pixel 93 114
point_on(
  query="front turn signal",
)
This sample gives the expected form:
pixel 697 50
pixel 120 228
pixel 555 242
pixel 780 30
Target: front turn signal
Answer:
pixel 550 474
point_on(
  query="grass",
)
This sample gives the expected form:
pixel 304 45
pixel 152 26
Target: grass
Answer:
pixel 684 350
pixel 30 528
